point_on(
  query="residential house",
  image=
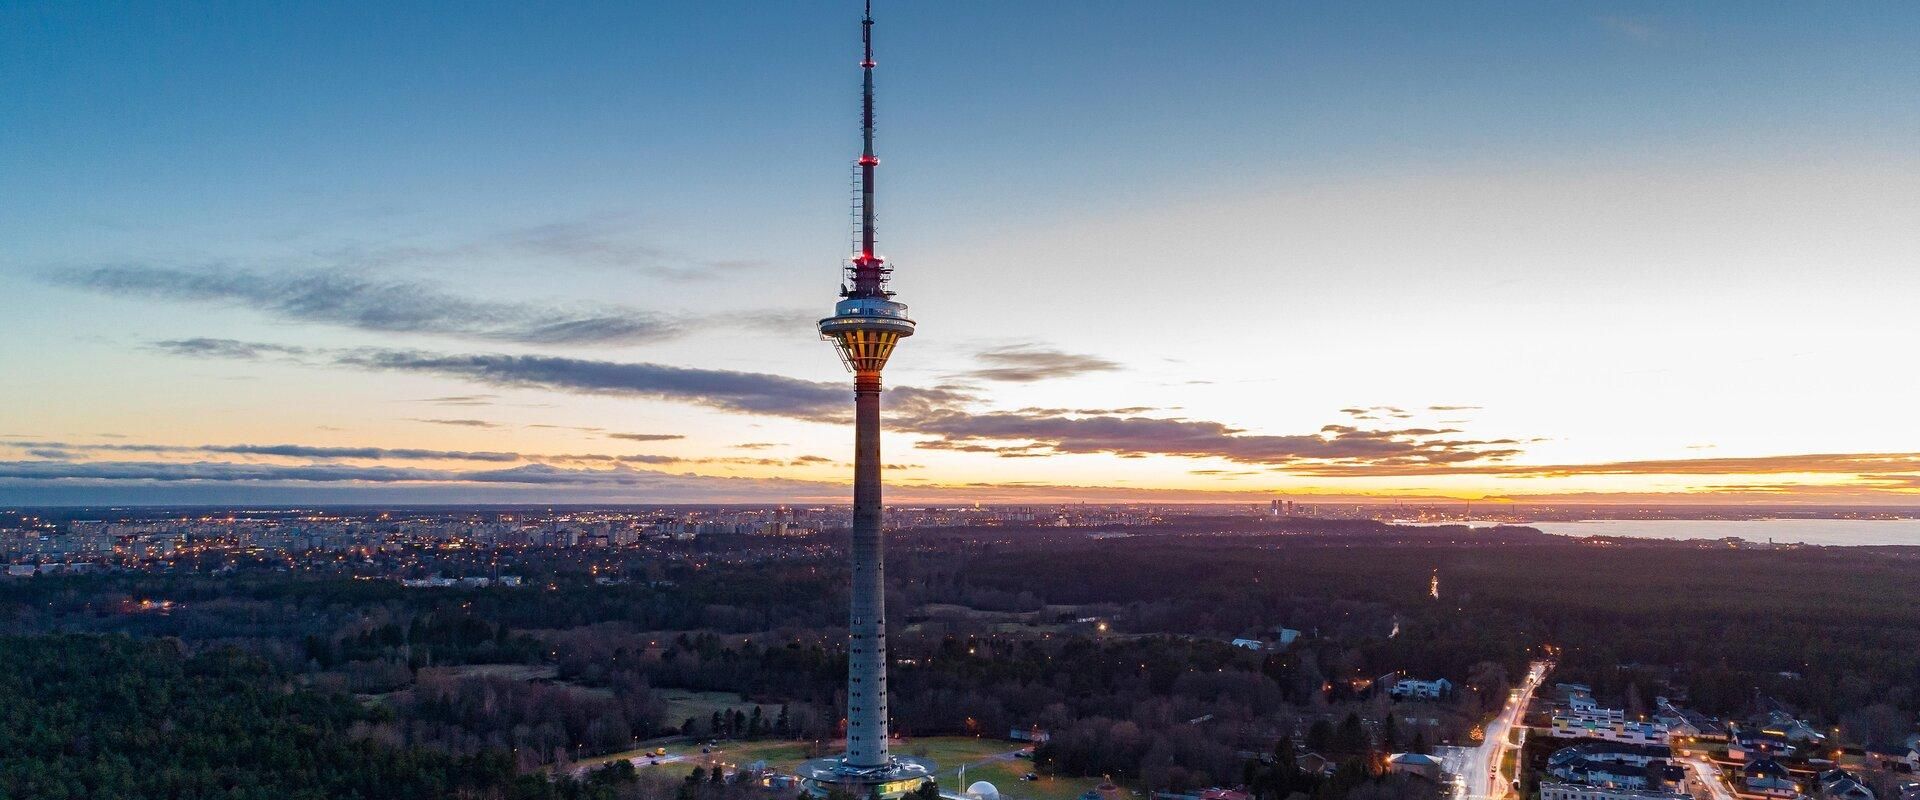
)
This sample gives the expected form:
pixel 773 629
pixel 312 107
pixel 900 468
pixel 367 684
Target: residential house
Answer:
pixel 1577 791
pixel 1786 726
pixel 1688 724
pixel 1404 688
pixel 1895 757
pixel 1420 764
pixel 1839 784
pixel 1615 765
pixel 1766 777
pixel 1749 743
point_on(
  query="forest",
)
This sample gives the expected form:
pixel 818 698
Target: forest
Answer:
pixel 113 718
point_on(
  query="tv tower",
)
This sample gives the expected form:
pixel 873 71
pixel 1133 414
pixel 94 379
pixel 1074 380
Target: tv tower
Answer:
pixel 865 326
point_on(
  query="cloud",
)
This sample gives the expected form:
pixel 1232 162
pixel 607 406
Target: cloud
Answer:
pixel 757 445
pixel 159 471
pixel 1027 363
pixel 1810 463
pixel 1014 434
pixel 462 423
pixel 335 297
pixel 1377 412
pixel 726 390
pixel 226 348
pixel 1123 410
pixel 282 450
pixel 208 470
pixel 646 437
pixel 463 400
pixel 373 453
pixel 947 415
pixel 70 451
pixel 594 244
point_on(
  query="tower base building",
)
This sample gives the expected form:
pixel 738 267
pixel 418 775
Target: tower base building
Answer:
pixel 901 776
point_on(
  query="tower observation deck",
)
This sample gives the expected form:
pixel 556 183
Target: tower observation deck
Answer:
pixel 866 325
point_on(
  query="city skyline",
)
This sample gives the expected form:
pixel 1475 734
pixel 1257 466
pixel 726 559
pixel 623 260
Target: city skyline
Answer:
pixel 1478 253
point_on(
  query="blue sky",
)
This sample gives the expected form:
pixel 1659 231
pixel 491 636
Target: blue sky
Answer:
pixel 1622 232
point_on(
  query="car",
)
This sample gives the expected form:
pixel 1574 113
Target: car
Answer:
pixel 1030 777
pixel 1023 754
pixel 706 750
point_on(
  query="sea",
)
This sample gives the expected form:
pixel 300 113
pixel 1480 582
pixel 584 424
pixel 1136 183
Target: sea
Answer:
pixel 1830 532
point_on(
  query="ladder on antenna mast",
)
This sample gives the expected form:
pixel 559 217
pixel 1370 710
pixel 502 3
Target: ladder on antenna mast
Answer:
pixel 858 199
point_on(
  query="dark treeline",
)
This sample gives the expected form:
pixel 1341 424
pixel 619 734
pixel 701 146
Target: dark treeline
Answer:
pixel 476 714
pixel 1826 630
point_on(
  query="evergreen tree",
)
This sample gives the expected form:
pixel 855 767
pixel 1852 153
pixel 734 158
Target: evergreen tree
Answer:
pixel 1351 737
pixel 1320 736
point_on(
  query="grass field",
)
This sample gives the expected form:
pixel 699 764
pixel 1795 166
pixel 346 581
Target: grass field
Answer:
pixel 1005 776
pixel 682 704
pixel 513 672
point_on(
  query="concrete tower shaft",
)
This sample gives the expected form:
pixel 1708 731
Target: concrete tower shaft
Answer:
pixel 867 627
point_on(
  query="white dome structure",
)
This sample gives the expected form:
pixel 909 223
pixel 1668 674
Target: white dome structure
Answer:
pixel 982 790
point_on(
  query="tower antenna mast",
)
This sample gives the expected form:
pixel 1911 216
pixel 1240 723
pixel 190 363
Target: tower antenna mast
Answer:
pixel 869 269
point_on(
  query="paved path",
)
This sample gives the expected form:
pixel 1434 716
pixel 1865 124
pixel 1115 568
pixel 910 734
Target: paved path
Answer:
pixel 1707 776
pixel 1478 767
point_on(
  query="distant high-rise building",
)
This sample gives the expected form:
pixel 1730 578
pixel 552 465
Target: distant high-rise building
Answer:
pixel 865 326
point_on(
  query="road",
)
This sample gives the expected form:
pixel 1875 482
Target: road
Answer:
pixel 644 759
pixel 1707 775
pixel 1476 768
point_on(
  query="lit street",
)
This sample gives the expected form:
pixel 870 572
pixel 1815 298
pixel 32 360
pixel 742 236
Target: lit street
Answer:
pixel 1707 776
pixel 1475 769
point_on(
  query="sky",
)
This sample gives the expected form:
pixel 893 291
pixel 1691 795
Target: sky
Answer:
pixel 574 252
